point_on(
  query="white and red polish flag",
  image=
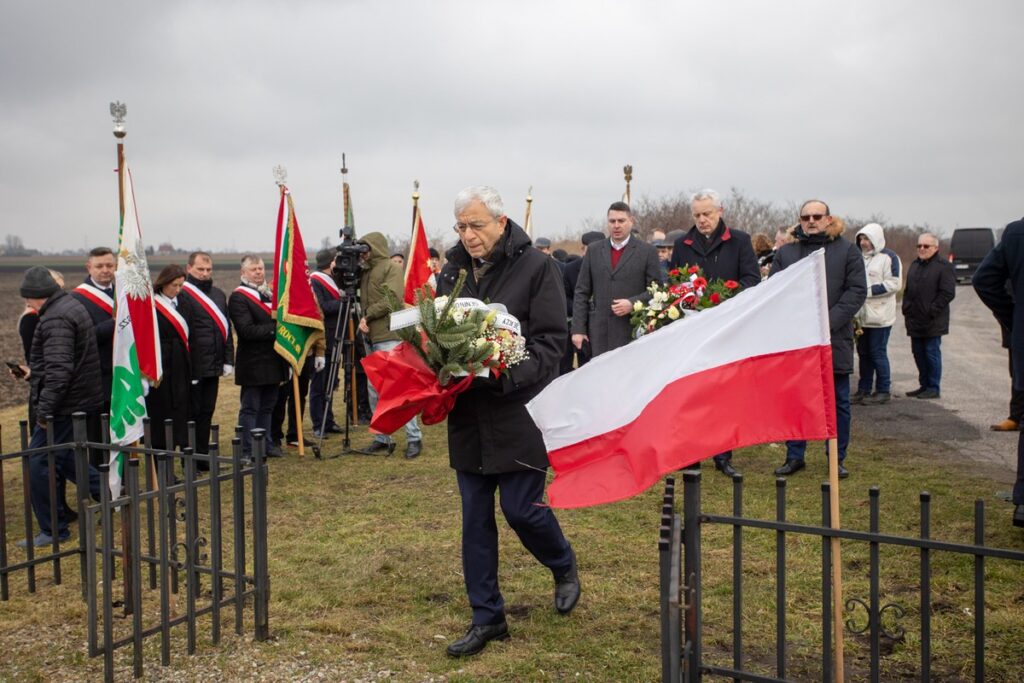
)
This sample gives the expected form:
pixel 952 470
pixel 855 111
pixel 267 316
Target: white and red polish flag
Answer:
pixel 756 369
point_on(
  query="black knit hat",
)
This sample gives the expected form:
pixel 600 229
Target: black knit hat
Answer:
pixel 591 237
pixel 324 258
pixel 38 284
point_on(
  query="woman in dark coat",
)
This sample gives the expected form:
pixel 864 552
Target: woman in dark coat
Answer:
pixel 170 400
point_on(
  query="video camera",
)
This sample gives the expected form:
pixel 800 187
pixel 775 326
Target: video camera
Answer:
pixel 346 263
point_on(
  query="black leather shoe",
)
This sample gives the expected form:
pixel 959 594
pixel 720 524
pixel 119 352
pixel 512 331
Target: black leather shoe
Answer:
pixel 843 472
pixel 878 398
pixel 413 449
pixel 387 448
pixel 929 393
pixel 1018 515
pixel 790 467
pixel 274 452
pixel 857 399
pixel 476 639
pixel 915 392
pixel 726 468
pixel 335 429
pixel 567 589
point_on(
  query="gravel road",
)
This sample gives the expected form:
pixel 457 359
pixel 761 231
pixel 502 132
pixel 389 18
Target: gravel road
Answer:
pixel 975 391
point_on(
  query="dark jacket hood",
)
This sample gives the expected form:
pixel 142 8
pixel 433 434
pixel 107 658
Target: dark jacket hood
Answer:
pixel 834 231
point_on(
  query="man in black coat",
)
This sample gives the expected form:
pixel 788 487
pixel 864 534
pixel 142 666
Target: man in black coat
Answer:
pixel 65 379
pixel 259 369
pixel 931 286
pixel 722 253
pixel 570 276
pixel 847 286
pixel 210 343
pixel 1005 263
pixel 330 299
pixel 492 441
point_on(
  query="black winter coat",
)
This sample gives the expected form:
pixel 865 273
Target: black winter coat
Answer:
pixel 208 349
pixel 256 361
pixel 846 281
pixel 170 400
pixel 729 256
pixel 65 365
pixel 489 430
pixel 331 308
pixel 931 285
pixel 1005 264
pixel 103 326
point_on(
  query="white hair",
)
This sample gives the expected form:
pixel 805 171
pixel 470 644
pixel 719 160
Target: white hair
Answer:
pixel 707 194
pixel 484 194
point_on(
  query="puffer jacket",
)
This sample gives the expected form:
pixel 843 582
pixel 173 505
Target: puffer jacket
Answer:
pixel 379 272
pixel 883 269
pixel 65 364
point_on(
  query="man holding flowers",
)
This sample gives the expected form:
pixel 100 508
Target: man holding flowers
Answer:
pixel 492 441
pixel 721 253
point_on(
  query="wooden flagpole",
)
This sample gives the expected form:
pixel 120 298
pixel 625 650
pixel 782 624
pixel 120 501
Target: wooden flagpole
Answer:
pixel 118 110
pixel 298 414
pixel 412 233
pixel 528 221
pixel 627 171
pixel 837 557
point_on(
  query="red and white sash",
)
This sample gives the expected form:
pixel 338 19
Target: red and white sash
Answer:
pixel 209 306
pixel 96 296
pixel 166 308
pixel 254 296
pixel 328 282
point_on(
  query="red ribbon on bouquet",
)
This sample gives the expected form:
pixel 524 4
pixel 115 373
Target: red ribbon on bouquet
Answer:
pixel 407 387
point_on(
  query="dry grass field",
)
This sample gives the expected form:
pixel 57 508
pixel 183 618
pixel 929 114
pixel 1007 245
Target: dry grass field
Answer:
pixel 366 578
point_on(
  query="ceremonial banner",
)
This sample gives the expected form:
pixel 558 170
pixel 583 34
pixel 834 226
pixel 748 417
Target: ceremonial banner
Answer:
pixel 299 319
pixel 756 369
pixel 417 267
pixel 137 362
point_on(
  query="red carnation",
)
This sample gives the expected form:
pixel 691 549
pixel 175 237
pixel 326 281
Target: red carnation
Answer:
pixel 693 269
pixel 731 284
pixel 674 272
pixel 700 283
pixel 715 298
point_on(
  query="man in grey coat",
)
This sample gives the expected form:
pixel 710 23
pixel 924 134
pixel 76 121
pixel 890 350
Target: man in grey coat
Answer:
pixel 615 274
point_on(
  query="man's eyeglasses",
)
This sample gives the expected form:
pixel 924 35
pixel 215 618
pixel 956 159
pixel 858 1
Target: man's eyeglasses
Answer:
pixel 807 218
pixel 927 246
pixel 461 228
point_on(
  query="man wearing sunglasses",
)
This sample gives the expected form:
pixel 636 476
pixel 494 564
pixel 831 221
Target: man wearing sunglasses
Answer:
pixel 931 285
pixel 847 290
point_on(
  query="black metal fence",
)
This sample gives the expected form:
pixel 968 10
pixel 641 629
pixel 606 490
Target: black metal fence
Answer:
pixel 679 545
pixel 199 539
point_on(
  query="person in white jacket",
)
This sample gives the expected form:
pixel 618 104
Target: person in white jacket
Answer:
pixel 876 316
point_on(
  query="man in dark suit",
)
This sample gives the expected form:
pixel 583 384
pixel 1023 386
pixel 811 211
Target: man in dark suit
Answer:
pixel 210 344
pixel 331 300
pixel 722 253
pixel 259 369
pixel 931 286
pixel 570 276
pixel 615 274
pixel 1005 263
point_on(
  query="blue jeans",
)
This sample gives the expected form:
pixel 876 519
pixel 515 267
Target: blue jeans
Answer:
pixel 522 503
pixel 928 357
pixel 874 361
pixel 64 464
pixel 795 449
pixel 255 410
pixel 412 429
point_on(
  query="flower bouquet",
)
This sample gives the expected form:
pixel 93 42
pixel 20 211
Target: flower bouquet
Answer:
pixel 686 291
pixel 447 341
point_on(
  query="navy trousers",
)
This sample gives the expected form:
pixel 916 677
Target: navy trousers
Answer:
pixel 795 449
pixel 533 521
pixel 255 409
pixel 64 464
pixel 928 358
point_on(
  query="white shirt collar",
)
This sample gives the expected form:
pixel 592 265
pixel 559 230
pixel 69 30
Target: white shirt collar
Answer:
pixel 621 245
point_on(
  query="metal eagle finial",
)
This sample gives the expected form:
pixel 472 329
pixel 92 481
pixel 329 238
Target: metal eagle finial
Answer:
pixel 118 110
pixel 280 175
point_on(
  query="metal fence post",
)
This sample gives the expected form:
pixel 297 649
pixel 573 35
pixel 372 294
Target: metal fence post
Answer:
pixel 259 532
pixel 692 569
pixel 82 493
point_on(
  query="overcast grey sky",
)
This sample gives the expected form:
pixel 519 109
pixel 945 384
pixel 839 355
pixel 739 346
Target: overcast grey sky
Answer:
pixel 909 109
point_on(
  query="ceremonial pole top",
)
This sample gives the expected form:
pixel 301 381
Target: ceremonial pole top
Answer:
pixel 529 195
pixel 118 110
pixel 627 170
pixel 280 175
pixel 415 190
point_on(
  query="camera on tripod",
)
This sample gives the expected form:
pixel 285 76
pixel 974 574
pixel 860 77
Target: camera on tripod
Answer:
pixel 346 263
